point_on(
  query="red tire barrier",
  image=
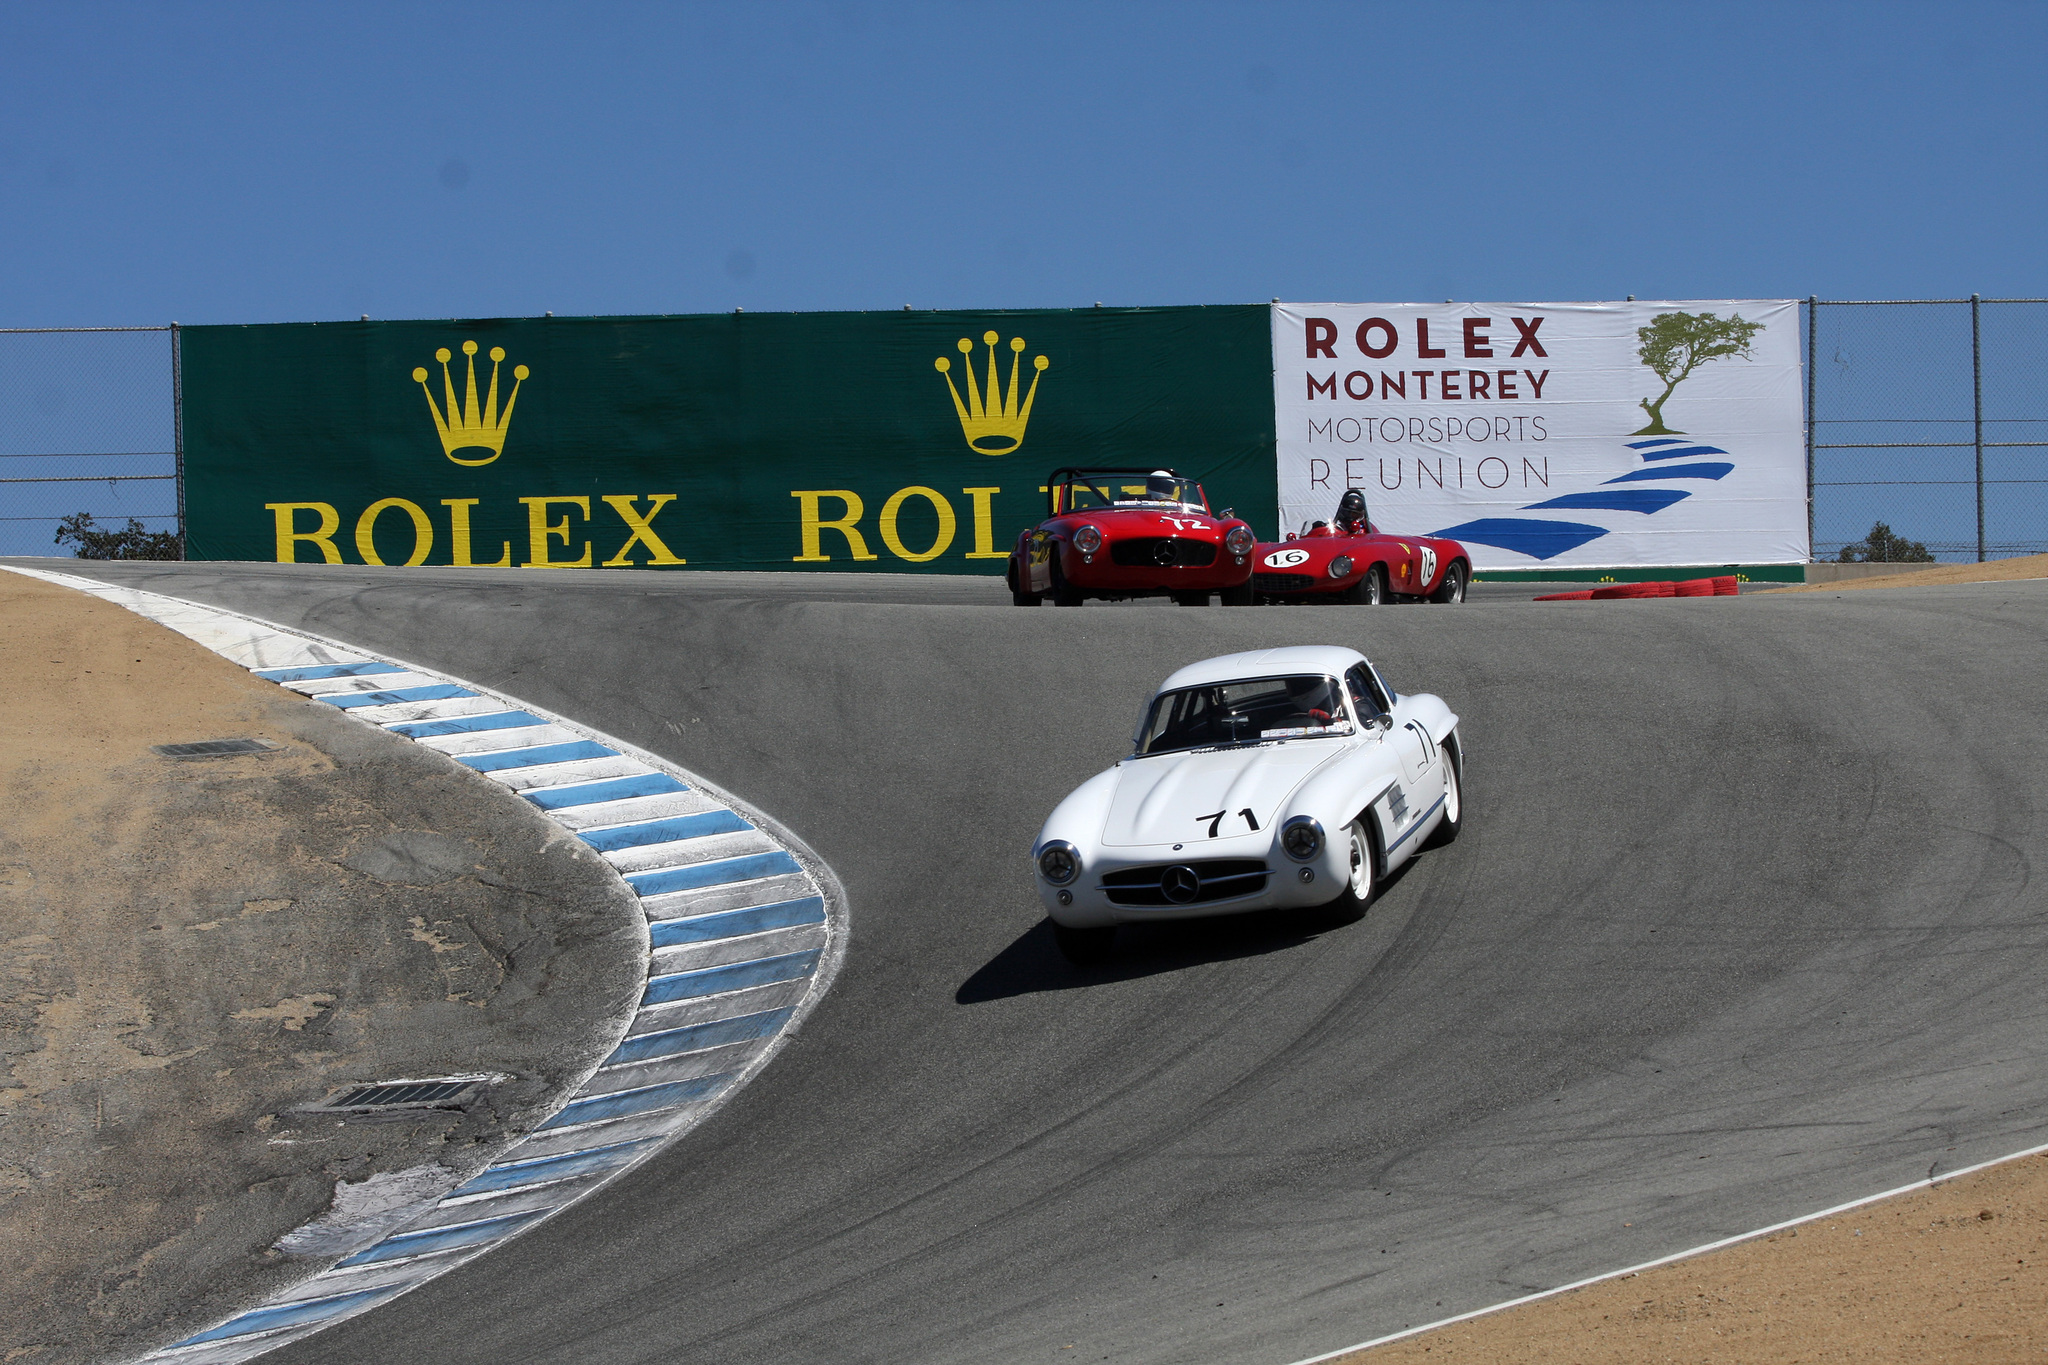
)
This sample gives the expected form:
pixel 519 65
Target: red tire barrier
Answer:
pixel 1615 592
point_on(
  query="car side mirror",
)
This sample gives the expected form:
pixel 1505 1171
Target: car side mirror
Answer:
pixel 1383 720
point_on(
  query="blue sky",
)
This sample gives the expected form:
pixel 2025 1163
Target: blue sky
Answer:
pixel 223 163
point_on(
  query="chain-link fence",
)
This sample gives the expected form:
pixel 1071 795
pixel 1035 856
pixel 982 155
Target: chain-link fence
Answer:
pixel 88 424
pixel 1928 415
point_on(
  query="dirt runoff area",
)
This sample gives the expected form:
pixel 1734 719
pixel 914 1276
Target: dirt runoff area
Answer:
pixel 1958 1272
pixel 1991 571
pixel 191 950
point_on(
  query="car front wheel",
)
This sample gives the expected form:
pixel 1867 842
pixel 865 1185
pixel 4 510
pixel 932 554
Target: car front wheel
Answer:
pixel 1063 595
pixel 1239 596
pixel 1019 597
pixel 1452 589
pixel 1350 903
pixel 1369 591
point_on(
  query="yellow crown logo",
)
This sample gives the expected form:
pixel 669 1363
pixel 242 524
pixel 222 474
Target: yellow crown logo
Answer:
pixel 470 427
pixel 997 426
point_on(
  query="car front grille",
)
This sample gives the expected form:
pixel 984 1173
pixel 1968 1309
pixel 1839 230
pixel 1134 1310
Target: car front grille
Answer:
pixel 1214 879
pixel 1163 552
pixel 1283 582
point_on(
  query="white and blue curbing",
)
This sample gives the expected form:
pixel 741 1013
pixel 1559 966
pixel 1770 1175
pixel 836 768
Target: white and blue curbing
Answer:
pixel 746 929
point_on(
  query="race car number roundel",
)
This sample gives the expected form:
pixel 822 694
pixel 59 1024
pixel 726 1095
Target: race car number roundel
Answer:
pixel 1286 559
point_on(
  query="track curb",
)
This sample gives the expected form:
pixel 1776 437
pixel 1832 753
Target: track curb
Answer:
pixel 712 873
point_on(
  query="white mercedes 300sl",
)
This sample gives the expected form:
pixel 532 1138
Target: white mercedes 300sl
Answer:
pixel 1277 779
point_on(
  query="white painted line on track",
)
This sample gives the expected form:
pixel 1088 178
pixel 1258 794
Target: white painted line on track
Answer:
pixel 747 926
pixel 1929 1183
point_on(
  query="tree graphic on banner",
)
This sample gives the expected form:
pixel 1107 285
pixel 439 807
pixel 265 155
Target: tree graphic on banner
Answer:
pixel 1676 344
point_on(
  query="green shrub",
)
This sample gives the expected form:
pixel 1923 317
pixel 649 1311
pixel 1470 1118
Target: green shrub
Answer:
pixel 130 542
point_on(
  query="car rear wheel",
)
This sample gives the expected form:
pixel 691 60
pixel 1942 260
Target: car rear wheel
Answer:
pixel 1191 599
pixel 1062 594
pixel 1083 946
pixel 1452 589
pixel 1454 801
pixel 1350 903
pixel 1239 596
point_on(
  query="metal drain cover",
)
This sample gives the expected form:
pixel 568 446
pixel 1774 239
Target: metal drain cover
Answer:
pixel 382 1097
pixel 216 748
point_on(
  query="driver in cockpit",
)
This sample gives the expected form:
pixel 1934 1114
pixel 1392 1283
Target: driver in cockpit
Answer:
pixel 1350 519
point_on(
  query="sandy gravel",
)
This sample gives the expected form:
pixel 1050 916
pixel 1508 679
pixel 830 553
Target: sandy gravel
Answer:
pixel 1992 571
pixel 1955 1273
pixel 190 950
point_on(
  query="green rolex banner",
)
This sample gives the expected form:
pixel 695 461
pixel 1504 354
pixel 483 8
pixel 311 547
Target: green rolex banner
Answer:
pixel 894 442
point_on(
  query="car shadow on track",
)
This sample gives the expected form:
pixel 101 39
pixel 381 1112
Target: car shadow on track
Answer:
pixel 1033 963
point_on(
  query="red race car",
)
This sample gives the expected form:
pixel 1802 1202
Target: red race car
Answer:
pixel 1117 533
pixel 1348 559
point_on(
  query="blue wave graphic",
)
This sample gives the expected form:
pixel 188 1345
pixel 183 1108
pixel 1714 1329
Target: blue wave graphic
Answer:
pixel 1682 450
pixel 1537 539
pixel 1644 500
pixel 1545 539
pixel 1711 469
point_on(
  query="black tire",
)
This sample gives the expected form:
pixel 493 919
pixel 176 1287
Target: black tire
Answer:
pixel 1350 904
pixel 1083 946
pixel 1452 590
pixel 1191 599
pixel 1062 595
pixel 1369 591
pixel 1239 596
pixel 1447 829
pixel 1014 576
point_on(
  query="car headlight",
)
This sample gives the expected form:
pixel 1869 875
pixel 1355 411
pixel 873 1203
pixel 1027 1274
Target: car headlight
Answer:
pixel 1088 539
pixel 1340 567
pixel 1059 862
pixel 1301 838
pixel 1239 540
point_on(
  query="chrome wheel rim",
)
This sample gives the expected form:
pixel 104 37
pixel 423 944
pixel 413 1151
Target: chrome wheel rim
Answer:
pixel 1454 800
pixel 1361 863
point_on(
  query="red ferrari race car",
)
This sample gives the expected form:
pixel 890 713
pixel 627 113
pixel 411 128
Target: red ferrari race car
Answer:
pixel 1116 533
pixel 1348 559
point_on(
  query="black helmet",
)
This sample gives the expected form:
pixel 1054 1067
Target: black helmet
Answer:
pixel 1351 507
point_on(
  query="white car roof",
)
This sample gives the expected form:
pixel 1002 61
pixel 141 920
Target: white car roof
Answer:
pixel 1329 660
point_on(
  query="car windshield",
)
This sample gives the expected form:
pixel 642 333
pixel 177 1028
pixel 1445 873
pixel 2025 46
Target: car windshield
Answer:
pixel 1125 490
pixel 1259 710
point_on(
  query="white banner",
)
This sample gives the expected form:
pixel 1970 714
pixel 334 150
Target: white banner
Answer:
pixel 1581 435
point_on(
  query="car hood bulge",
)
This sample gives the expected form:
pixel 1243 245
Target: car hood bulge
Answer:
pixel 1158 799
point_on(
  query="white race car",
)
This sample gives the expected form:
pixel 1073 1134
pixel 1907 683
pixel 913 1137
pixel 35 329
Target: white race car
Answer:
pixel 1277 779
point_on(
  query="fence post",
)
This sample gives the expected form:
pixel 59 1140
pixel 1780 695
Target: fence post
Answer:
pixel 1812 332
pixel 1977 399
pixel 178 427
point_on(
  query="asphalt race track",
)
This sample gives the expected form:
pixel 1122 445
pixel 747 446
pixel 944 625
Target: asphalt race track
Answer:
pixel 1742 925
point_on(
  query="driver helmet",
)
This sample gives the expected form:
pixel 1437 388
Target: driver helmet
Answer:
pixel 1162 486
pixel 1351 507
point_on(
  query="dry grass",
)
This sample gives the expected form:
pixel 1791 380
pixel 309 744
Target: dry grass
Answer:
pixel 1993 571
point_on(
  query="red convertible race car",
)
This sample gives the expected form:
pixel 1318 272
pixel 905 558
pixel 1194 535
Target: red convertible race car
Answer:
pixel 1117 533
pixel 1348 559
